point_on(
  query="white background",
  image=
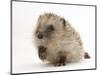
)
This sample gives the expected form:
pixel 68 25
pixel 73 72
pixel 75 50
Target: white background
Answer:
pixel 4 41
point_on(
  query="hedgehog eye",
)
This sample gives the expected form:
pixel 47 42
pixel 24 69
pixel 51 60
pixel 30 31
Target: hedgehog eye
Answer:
pixel 50 28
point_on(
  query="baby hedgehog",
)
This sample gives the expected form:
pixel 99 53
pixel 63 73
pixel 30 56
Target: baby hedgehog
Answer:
pixel 57 41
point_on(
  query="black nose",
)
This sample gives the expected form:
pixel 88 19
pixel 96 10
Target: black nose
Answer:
pixel 40 36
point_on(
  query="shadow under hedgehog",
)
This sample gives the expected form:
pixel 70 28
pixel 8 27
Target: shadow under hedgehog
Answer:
pixel 57 40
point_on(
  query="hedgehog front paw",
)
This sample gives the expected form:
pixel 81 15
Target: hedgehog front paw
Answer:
pixel 61 61
pixel 42 52
pixel 60 64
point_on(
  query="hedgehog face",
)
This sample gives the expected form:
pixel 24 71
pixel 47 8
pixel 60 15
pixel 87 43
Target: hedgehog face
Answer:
pixel 49 25
pixel 46 33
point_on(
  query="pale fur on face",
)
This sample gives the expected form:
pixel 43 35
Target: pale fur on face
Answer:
pixel 61 40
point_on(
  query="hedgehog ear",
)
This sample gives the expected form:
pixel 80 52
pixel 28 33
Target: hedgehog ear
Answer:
pixel 63 22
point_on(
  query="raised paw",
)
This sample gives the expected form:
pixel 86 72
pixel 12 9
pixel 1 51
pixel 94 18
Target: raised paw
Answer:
pixel 42 52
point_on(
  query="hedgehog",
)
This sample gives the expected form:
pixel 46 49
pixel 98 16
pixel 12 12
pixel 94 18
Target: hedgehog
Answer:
pixel 57 41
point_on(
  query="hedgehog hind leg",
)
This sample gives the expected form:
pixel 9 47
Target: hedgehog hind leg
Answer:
pixel 86 55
